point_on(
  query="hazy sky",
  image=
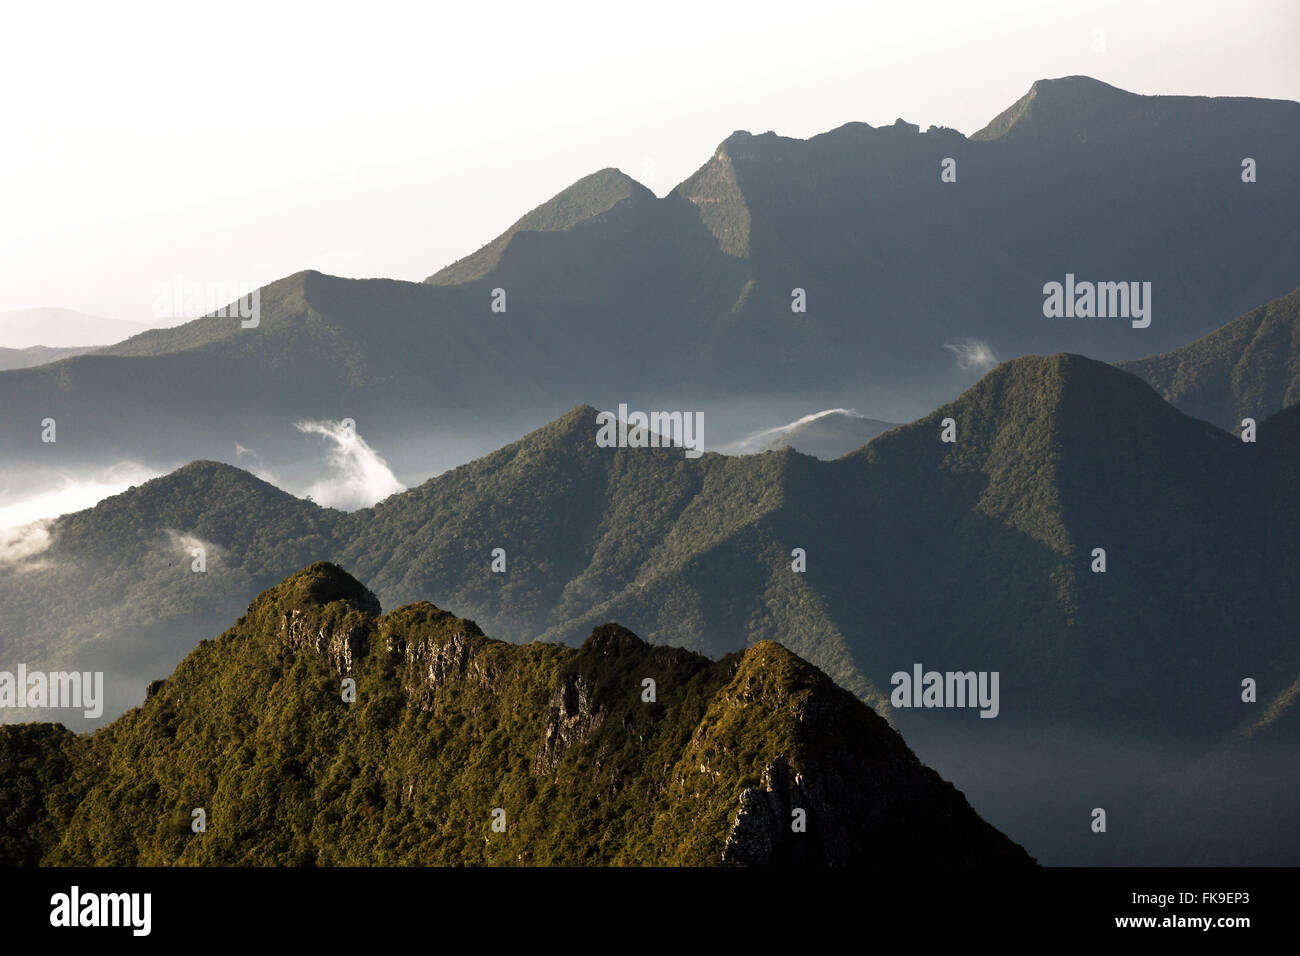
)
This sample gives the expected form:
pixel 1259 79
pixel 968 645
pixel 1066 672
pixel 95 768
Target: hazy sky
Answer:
pixel 241 142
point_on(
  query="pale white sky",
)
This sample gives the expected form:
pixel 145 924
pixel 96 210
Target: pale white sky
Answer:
pixel 243 141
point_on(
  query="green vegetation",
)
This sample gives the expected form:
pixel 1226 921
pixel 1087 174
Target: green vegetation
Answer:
pixel 974 554
pixel 448 726
pixel 587 198
pixel 1250 368
pixel 37 800
pixel 716 192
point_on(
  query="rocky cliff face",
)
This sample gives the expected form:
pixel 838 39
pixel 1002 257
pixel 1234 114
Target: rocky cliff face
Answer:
pixel 338 645
pixel 837 785
pixel 458 749
pixel 323 610
pixel 571 720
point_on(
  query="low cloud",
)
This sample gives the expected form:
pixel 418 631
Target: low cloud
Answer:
pixel 360 477
pixel 972 354
pixel 761 440
pixel 23 542
pixel 184 544
pixel 59 493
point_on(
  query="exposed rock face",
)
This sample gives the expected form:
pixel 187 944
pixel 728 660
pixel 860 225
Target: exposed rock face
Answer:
pixel 437 653
pixel 843 790
pixel 323 609
pixel 571 720
pixel 341 644
pixel 440 662
pixel 763 831
pixel 768 830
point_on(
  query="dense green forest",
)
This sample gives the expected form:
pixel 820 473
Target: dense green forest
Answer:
pixel 978 552
pixel 574 756
pixel 1250 368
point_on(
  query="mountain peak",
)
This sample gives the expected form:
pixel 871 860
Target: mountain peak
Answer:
pixel 578 424
pixel 584 413
pixel 589 197
pixel 1064 385
pixel 613 640
pixel 1032 426
pixel 1064 99
pixel 716 193
pixel 1075 85
pixel 316 587
pixel 322 609
pixel 1244 369
pixel 207 468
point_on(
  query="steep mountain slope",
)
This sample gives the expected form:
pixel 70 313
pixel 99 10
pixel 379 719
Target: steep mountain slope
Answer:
pixel 613 295
pixel 1252 773
pixel 587 199
pixel 1056 457
pixel 1250 368
pixel 451 731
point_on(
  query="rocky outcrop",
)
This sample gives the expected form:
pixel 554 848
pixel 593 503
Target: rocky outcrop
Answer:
pixel 436 652
pixel 764 830
pixel 841 787
pixel 571 720
pixel 340 643
pixel 323 609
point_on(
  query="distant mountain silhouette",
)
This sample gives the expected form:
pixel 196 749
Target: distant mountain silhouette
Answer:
pixel 36 355
pixel 587 199
pixel 62 329
pixel 613 295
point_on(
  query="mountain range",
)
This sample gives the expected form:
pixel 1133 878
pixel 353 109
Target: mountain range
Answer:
pixel 977 554
pixel 1092 521
pixel 891 265
pixel 37 355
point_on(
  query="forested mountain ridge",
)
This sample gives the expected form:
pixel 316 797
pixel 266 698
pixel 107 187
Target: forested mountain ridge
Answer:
pixel 907 547
pixel 454 749
pixel 1250 368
